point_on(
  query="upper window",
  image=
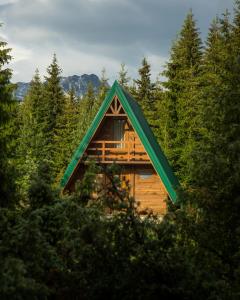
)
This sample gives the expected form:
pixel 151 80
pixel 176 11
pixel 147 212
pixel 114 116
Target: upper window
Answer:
pixel 145 174
pixel 118 131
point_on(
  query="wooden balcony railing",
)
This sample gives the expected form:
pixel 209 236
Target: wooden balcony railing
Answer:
pixel 117 151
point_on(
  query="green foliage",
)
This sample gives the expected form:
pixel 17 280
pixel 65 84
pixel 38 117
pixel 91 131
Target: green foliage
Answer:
pixel 66 132
pixel 159 114
pixel 6 112
pixel 103 87
pixel 216 156
pixel 64 248
pixel 123 76
pixel 144 94
pixel 181 100
pixel 86 110
pixel 40 192
pixel 54 101
pixel 30 137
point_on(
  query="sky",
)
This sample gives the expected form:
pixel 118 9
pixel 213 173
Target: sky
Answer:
pixel 89 35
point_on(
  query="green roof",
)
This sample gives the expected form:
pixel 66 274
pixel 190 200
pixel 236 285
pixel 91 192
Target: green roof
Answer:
pixel 144 132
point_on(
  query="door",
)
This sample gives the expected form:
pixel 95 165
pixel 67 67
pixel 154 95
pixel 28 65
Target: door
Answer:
pixel 149 189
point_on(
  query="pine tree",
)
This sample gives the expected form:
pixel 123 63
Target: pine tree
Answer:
pixel 145 91
pixel 6 106
pixel 54 101
pixel 31 138
pixel 103 89
pixel 66 132
pixel 159 115
pixel 216 165
pixel 123 78
pixel 218 93
pixel 90 99
pixel 87 109
pixel 33 116
pixel 182 72
pixel 144 86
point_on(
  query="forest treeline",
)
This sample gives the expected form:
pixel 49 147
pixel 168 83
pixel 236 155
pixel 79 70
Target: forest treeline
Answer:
pixel 65 246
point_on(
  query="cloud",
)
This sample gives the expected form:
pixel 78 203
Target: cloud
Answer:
pixel 90 34
pixel 5 2
pixel 20 53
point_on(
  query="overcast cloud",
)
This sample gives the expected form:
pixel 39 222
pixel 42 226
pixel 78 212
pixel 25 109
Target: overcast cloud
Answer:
pixel 88 35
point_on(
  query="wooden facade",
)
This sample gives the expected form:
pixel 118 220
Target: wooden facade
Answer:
pixel 115 140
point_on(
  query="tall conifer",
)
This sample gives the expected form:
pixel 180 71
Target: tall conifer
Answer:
pixel 6 105
pixel 31 139
pixel 123 78
pixel 104 87
pixel 33 116
pixel 66 131
pixel 54 101
pixel 216 165
pixel 182 72
pixel 145 91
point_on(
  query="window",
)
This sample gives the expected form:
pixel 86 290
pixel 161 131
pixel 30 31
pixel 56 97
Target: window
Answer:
pixel 145 174
pixel 118 132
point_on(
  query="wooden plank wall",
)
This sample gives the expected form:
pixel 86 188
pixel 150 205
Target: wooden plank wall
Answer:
pixel 149 189
pixel 145 186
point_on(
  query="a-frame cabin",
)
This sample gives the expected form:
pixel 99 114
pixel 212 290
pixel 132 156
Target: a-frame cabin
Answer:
pixel 120 134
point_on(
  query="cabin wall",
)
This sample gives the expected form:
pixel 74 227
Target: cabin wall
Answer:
pixel 149 190
pixel 145 186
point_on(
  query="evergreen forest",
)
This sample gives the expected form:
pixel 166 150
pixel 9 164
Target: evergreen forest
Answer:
pixel 60 246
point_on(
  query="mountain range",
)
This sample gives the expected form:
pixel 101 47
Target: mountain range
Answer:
pixel 79 83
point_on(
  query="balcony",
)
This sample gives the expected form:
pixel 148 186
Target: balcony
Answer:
pixel 117 151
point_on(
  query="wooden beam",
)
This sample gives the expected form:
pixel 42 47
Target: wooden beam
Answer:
pixel 125 162
pixel 115 115
pixel 112 109
pixel 119 108
pixel 115 104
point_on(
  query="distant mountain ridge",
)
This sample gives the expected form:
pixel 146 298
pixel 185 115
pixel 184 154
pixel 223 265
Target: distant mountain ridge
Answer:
pixel 79 83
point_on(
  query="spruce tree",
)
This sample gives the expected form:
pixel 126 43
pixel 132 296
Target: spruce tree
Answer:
pixel 87 109
pixel 216 167
pixel 123 78
pixel 159 115
pixel 30 140
pixel 103 89
pixel 219 106
pixel 33 116
pixel 6 106
pixel 145 91
pixel 54 101
pixel 66 132
pixel 90 99
pixel 182 72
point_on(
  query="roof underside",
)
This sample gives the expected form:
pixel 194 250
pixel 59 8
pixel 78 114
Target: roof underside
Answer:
pixel 144 132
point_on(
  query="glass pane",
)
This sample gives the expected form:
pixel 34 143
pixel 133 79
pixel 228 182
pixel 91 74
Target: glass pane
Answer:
pixel 119 132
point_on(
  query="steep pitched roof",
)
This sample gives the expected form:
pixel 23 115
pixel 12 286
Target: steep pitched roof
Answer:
pixel 144 132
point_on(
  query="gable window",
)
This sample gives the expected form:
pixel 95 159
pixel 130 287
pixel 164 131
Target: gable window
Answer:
pixel 118 132
pixel 145 174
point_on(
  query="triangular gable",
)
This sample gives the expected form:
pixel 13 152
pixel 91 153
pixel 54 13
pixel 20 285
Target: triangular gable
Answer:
pixel 141 127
